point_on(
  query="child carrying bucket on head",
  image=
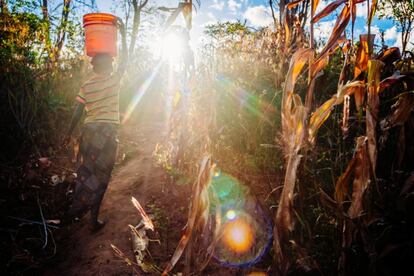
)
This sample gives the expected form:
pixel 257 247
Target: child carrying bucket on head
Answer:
pixel 99 98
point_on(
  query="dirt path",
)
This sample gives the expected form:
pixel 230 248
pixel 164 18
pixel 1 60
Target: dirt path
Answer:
pixel 83 253
pixel 80 252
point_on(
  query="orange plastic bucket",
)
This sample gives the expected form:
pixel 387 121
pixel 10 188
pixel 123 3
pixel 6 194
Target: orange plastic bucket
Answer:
pixel 100 34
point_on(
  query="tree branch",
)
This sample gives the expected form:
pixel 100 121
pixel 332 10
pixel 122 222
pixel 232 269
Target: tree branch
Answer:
pixel 60 39
pixel 136 23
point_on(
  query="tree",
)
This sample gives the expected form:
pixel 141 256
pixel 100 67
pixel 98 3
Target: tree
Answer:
pixel 46 21
pixel 56 26
pixel 3 6
pixel 137 6
pixel 401 12
pixel 61 32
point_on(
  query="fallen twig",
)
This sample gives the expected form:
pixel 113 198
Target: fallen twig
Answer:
pixel 43 220
pixel 147 221
pixel 28 221
pixel 125 258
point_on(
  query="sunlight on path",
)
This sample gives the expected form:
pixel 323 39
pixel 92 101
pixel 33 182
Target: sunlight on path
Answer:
pixel 141 92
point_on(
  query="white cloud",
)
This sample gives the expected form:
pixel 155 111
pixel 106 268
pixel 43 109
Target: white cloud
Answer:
pixel 259 16
pixel 321 6
pixel 398 42
pixel 211 16
pixel 324 29
pixel 359 31
pixel 361 10
pixel 217 5
pixel 391 33
pixel 374 30
pixel 233 5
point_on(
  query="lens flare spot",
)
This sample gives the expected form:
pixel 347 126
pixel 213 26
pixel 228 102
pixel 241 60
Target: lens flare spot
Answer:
pixel 238 236
pixel 245 231
pixel 231 214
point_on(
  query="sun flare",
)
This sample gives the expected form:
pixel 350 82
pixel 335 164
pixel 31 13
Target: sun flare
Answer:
pixel 172 47
pixel 238 236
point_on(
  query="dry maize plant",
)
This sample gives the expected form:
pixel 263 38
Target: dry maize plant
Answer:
pixel 198 220
pixel 360 79
pixel 300 125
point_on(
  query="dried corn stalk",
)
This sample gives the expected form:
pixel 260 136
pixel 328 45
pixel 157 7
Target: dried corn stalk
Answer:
pixel 322 113
pixel 374 73
pixel 199 210
pixel 401 111
pixel 140 242
pixel 147 221
pixel 372 11
pixel 359 169
pixel 296 128
pixel 293 130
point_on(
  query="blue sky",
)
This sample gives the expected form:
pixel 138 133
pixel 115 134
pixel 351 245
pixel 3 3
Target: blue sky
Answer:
pixel 257 14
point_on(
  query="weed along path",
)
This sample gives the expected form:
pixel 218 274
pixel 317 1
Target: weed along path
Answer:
pixel 80 252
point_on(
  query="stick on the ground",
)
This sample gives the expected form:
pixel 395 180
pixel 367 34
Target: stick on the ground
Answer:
pixel 43 220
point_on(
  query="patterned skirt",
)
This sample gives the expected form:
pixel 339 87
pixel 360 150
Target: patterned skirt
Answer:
pixel 98 149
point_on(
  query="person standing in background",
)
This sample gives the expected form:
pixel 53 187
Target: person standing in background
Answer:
pixel 99 99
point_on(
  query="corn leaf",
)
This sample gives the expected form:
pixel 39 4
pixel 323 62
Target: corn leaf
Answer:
pixel 401 112
pixel 286 26
pixel 293 4
pixel 322 60
pixel 294 116
pixel 359 97
pixel 331 7
pixel 358 169
pixel 147 221
pixel 339 28
pixel 372 11
pixel 352 6
pixel 374 74
pixel 388 56
pixel 361 181
pixel 122 255
pixel 345 117
pixel 361 63
pixel 198 210
pixel 390 81
pixel 283 221
pixel 187 13
pixel 320 116
pixel 319 64
pixel 342 184
pixel 322 113
pixel 346 51
pixel 328 10
pixel 293 113
pixel 315 5
pixel 297 62
pixel 408 186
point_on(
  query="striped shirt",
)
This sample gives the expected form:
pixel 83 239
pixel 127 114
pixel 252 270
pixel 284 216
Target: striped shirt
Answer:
pixel 100 95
